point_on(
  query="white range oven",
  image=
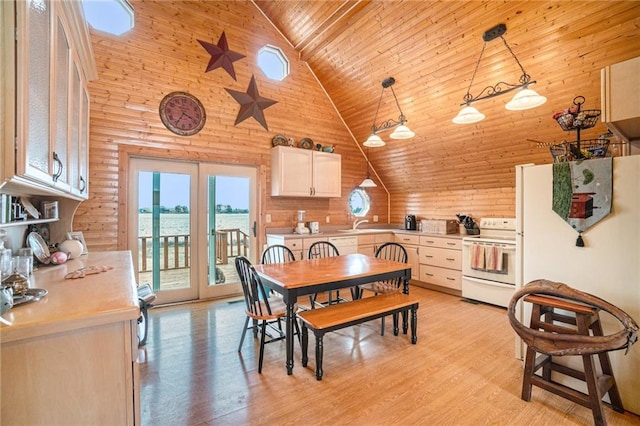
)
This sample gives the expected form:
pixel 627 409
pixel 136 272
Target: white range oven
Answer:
pixel 489 262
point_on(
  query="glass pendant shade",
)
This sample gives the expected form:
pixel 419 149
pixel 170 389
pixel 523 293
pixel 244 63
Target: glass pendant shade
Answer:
pixel 402 132
pixel 525 99
pixel 373 141
pixel 368 183
pixel 468 115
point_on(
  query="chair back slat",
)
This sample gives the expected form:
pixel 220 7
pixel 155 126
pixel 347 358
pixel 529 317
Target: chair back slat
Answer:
pixel 322 249
pixel 255 296
pixel 277 253
pixel 395 252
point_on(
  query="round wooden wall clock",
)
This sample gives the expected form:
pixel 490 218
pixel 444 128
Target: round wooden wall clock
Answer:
pixel 182 113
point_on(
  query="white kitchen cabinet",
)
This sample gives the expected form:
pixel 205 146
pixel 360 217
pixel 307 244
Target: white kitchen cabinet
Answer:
pixel 297 172
pixel 368 244
pixel 441 262
pixel 411 244
pixel 621 98
pixel 294 244
pixel 53 61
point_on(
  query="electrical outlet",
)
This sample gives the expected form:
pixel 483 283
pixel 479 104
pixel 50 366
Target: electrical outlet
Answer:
pixel 328 219
pixel 375 217
pixel 267 218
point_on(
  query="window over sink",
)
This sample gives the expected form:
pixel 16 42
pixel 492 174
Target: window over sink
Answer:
pixel 359 202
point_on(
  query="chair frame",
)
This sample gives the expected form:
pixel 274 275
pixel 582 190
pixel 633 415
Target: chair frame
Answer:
pixel 390 251
pixel 258 309
pixel 277 253
pixel 324 249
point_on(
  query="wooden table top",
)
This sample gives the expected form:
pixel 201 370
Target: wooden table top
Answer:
pixel 303 273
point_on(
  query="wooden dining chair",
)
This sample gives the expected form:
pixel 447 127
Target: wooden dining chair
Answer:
pixel 389 251
pixel 277 253
pixel 324 249
pixel 265 312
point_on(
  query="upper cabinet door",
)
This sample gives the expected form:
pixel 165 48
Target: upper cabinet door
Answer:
pixel 291 171
pixel 63 105
pixel 327 175
pixel 53 64
pixel 33 74
pixel 297 172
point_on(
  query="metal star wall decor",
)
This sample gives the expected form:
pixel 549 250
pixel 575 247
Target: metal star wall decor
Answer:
pixel 221 56
pixel 251 103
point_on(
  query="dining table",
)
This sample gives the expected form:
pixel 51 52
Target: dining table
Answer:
pixel 310 276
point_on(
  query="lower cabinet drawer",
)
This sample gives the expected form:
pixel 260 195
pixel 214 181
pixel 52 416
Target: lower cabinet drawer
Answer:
pixel 441 257
pixel 443 277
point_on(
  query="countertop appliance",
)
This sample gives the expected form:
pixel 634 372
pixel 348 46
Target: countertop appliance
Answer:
pixel 410 222
pixel 314 227
pixel 607 266
pixel 488 262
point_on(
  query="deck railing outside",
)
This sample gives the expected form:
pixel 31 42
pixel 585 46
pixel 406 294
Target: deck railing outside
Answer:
pixel 174 249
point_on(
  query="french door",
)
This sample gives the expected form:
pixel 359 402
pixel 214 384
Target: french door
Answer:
pixel 187 224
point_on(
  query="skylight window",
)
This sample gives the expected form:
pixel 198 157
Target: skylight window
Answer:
pixel 109 16
pixel 273 63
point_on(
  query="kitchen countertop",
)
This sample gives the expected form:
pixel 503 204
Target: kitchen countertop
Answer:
pixel 346 232
pixel 73 304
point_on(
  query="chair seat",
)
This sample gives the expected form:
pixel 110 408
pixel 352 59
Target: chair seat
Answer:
pixel 278 310
pixel 380 287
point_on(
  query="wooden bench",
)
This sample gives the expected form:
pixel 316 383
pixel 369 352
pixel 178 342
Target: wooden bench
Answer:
pixel 343 315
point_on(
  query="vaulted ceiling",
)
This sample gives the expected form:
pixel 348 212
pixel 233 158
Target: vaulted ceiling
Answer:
pixel 431 49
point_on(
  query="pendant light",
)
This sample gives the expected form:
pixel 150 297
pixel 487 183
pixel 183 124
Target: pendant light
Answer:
pixel 526 98
pixel 401 130
pixel 368 182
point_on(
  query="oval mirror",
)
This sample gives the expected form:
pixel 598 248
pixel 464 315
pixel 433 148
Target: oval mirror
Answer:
pixel 359 202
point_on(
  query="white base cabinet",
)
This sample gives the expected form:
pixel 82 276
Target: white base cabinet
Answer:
pixel 71 359
pixel 411 244
pixel 441 262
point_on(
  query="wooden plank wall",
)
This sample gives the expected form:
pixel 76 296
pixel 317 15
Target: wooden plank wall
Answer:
pixel 432 175
pixel 162 55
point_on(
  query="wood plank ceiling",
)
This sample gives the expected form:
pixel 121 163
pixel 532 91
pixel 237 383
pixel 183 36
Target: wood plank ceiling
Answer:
pixel 431 49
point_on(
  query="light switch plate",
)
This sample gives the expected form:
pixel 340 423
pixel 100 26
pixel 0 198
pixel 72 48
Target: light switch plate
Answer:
pixel 267 218
pixel 328 219
pixel 375 217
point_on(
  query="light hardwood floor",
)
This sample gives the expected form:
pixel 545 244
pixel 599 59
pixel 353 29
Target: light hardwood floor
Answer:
pixel 461 372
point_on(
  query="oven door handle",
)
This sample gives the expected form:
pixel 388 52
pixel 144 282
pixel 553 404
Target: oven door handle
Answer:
pixel 488 282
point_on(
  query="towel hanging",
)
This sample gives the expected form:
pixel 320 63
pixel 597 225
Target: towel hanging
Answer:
pixel 477 257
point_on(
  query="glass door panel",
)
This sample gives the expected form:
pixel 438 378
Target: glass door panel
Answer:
pixel 162 225
pixel 229 225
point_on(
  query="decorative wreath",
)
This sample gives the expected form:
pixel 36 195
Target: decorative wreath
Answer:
pixel 572 344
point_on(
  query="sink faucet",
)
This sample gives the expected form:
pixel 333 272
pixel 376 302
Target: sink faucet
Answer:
pixel 358 222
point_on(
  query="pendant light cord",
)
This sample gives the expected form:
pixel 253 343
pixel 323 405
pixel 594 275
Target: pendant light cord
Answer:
pixel 373 127
pixel 524 78
pixel 467 98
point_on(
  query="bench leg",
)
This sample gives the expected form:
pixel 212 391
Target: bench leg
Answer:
pixel 414 324
pixel 304 344
pixel 319 351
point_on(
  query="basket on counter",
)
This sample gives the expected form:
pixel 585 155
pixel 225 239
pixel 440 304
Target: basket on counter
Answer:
pixel 589 148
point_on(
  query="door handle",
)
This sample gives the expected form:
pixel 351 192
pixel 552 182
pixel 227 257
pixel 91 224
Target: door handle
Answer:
pixel 255 226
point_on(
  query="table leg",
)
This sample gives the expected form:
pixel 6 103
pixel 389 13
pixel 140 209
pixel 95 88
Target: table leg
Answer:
pixel 291 317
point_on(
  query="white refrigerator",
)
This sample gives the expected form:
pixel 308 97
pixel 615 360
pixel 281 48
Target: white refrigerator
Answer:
pixel 608 266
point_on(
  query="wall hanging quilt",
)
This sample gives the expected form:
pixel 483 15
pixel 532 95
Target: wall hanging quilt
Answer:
pixel 582 192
